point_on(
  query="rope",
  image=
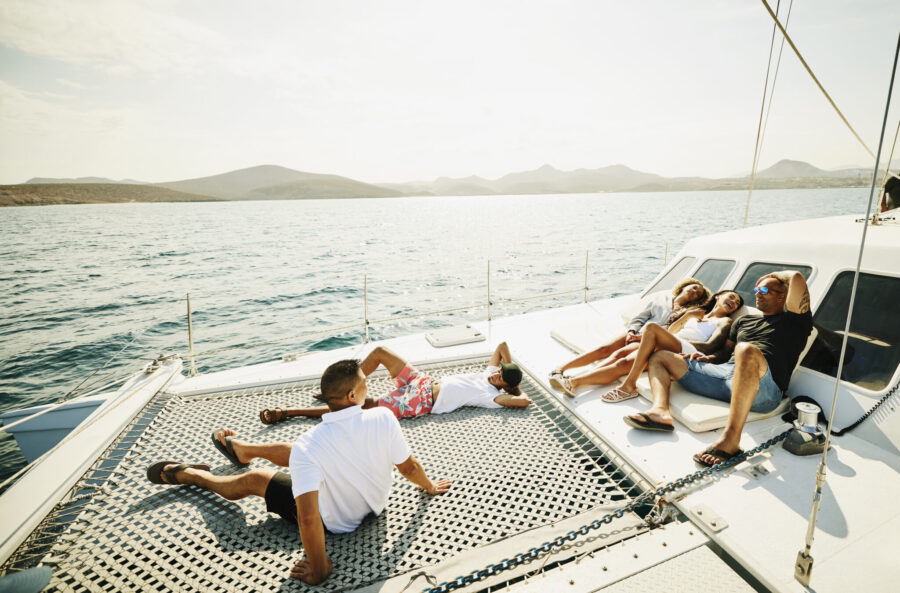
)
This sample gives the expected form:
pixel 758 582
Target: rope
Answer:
pixel 75 432
pixel 263 343
pixel 804 564
pixel 66 398
pixel 816 80
pixel 759 126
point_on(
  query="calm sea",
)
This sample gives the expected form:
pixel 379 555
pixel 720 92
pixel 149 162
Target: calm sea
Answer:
pixel 80 283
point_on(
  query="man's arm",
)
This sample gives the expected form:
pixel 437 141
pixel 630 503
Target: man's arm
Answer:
pixel 501 353
pixel 513 401
pixel 317 565
pixel 716 341
pixel 715 358
pixel 797 299
pixel 412 470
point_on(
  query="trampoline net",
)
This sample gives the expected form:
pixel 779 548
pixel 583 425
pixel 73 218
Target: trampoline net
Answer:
pixel 511 469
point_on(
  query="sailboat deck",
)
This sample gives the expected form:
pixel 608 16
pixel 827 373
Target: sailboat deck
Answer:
pixel 512 470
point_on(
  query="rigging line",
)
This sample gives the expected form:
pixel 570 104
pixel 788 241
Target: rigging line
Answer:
pixel 762 108
pixel 816 80
pixel 777 68
pixel 803 557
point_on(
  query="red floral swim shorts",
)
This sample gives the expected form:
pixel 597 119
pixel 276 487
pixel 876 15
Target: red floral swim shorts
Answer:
pixel 413 396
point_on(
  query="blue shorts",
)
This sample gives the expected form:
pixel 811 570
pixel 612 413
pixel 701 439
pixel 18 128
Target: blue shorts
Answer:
pixel 714 381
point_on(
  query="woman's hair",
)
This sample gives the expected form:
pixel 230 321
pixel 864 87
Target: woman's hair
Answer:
pixel 696 302
pixel 712 300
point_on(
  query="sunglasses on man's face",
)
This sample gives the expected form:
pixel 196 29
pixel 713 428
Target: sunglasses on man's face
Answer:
pixel 761 289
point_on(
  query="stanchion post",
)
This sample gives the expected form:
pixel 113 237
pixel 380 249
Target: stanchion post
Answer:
pixel 193 366
pixel 490 317
pixel 366 305
pixel 586 254
pixel 666 255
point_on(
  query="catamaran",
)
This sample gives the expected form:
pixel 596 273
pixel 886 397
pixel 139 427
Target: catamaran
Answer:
pixel 561 496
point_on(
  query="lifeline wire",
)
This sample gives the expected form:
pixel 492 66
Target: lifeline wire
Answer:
pixel 804 560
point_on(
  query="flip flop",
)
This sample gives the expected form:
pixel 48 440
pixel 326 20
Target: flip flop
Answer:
pixel 617 394
pixel 155 472
pixel 724 456
pixel 565 385
pixel 650 423
pixel 554 380
pixel 227 449
pixel 275 416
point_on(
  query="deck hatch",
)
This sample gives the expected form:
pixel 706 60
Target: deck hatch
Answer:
pixel 512 470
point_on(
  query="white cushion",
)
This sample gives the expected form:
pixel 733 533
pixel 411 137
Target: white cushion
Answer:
pixel 581 337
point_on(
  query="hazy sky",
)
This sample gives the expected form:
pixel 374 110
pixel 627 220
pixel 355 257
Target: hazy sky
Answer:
pixel 397 91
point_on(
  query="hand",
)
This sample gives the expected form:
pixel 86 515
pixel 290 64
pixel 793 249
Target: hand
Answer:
pixel 438 487
pixel 632 337
pixel 303 570
pixel 697 356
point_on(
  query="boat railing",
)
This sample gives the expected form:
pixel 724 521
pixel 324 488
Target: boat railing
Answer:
pixel 365 323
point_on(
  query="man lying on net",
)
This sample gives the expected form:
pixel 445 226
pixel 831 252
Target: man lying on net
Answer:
pixel 417 394
pixel 339 471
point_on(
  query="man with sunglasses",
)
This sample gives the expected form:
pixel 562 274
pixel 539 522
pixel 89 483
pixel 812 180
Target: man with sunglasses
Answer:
pixel 751 372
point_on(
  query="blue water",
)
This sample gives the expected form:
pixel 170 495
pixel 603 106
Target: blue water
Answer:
pixel 79 283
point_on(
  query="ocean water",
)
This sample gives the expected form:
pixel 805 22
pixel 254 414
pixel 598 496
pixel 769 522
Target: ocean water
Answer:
pixel 80 283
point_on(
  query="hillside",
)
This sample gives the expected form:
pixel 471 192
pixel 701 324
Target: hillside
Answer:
pixel 48 194
pixel 277 183
pixel 307 189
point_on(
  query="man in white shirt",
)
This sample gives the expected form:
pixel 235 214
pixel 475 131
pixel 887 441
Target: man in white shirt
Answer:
pixel 417 394
pixel 340 470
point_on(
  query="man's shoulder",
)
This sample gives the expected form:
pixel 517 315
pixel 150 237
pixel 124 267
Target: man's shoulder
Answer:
pixel 380 416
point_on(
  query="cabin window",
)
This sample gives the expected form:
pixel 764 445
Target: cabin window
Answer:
pixel 677 273
pixel 713 272
pixel 756 271
pixel 873 346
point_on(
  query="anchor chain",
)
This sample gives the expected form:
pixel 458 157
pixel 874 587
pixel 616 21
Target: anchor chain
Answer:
pixel 644 499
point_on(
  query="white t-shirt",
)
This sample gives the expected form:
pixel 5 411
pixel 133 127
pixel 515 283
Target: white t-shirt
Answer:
pixel 466 390
pixel 348 458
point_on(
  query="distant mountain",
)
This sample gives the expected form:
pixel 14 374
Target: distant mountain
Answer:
pixel 544 180
pixel 335 187
pixel 48 194
pixel 271 182
pixel 274 182
pixel 49 180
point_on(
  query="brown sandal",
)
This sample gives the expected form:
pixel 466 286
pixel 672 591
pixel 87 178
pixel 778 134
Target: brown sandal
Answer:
pixel 274 416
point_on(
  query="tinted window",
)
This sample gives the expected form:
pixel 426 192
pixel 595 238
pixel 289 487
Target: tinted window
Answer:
pixel 756 271
pixel 873 347
pixel 677 272
pixel 712 273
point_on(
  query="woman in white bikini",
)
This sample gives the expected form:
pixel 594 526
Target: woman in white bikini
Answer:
pixel 703 329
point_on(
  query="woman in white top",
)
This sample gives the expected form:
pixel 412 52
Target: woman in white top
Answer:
pixel 616 356
pixel 703 329
pixel 417 394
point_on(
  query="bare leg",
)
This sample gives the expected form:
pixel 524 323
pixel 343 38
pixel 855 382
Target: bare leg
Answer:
pixel 594 355
pixel 382 356
pixel 655 338
pixel 277 453
pixel 664 366
pixel 252 483
pixel 620 363
pixel 749 367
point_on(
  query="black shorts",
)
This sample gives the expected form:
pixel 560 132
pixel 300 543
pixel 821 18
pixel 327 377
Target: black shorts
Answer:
pixel 280 498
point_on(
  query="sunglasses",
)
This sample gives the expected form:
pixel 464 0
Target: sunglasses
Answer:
pixel 761 289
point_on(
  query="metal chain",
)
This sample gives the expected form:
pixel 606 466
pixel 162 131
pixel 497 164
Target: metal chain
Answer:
pixel 642 500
